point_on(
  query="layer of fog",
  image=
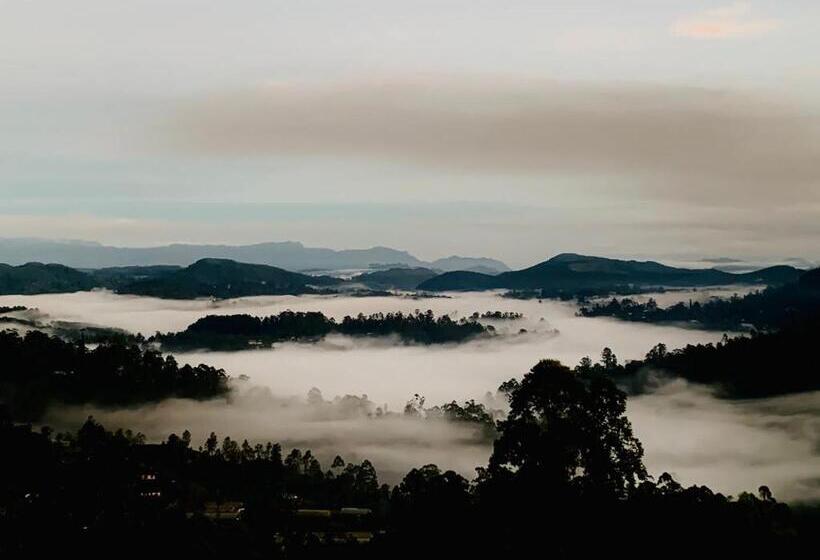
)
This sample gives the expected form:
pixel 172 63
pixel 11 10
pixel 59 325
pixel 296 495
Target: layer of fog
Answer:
pixel 729 446
pixel 346 426
pixel 387 372
pixel 732 446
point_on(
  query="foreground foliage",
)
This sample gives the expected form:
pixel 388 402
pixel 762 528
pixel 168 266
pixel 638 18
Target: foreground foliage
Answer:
pixel 566 480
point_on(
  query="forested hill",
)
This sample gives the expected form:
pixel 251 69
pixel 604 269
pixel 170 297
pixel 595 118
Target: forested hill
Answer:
pixel 564 275
pixel 811 280
pixel 395 278
pixel 38 278
pixel 221 278
pixel 238 332
pixel 40 370
pixel 570 272
pixel 769 309
pixel 756 366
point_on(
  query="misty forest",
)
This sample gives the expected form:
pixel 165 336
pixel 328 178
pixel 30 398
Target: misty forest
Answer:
pixel 202 423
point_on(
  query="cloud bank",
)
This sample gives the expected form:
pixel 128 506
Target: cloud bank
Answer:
pixel 676 142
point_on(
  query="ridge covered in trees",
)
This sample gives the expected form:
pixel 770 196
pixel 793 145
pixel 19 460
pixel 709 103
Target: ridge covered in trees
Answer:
pixel 571 274
pixel 565 275
pixel 762 364
pixel 237 332
pixel 772 308
pixel 39 370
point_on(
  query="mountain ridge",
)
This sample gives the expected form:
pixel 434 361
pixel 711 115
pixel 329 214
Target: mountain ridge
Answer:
pixel 289 255
pixel 571 271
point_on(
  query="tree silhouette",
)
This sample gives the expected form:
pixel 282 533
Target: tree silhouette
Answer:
pixel 568 432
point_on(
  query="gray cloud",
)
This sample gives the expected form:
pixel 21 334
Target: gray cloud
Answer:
pixel 688 143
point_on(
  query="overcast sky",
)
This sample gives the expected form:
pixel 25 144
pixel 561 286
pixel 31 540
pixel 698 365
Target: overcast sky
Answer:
pixel 513 129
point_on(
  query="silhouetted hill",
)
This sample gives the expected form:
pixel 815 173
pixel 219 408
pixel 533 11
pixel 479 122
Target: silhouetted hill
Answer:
pixel 781 274
pixel 569 272
pixel 116 277
pixel 773 308
pixel 461 280
pixel 811 279
pixel 471 264
pixel 222 278
pixel 38 278
pixel 395 278
pixel 288 255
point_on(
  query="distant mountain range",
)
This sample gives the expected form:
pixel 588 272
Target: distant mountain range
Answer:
pixel 566 274
pixel 572 272
pixel 288 255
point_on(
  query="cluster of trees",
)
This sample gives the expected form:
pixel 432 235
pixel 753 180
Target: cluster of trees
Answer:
pixel 236 332
pixel 11 308
pixel 566 478
pixel 471 412
pixel 754 366
pixel 772 308
pixel 39 369
pixel 497 315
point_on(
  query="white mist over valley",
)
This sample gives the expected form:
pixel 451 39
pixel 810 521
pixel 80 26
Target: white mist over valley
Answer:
pixel 728 445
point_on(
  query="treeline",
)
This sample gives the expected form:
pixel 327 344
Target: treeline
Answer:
pixel 38 370
pixel 497 315
pixel 237 332
pixel 582 294
pixel 771 308
pixel 753 366
pixel 566 478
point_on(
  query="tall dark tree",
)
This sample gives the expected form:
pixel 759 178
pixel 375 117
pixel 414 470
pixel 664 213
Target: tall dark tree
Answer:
pixel 566 433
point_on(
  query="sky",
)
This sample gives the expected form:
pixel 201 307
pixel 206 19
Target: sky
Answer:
pixel 511 129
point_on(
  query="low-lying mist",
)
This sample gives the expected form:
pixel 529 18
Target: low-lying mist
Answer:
pixel 386 372
pixel 729 446
pixel 346 426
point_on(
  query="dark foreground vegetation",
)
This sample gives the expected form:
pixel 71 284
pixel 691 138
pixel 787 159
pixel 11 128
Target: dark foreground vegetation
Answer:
pixel 565 480
pixel 238 332
pixel 39 370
